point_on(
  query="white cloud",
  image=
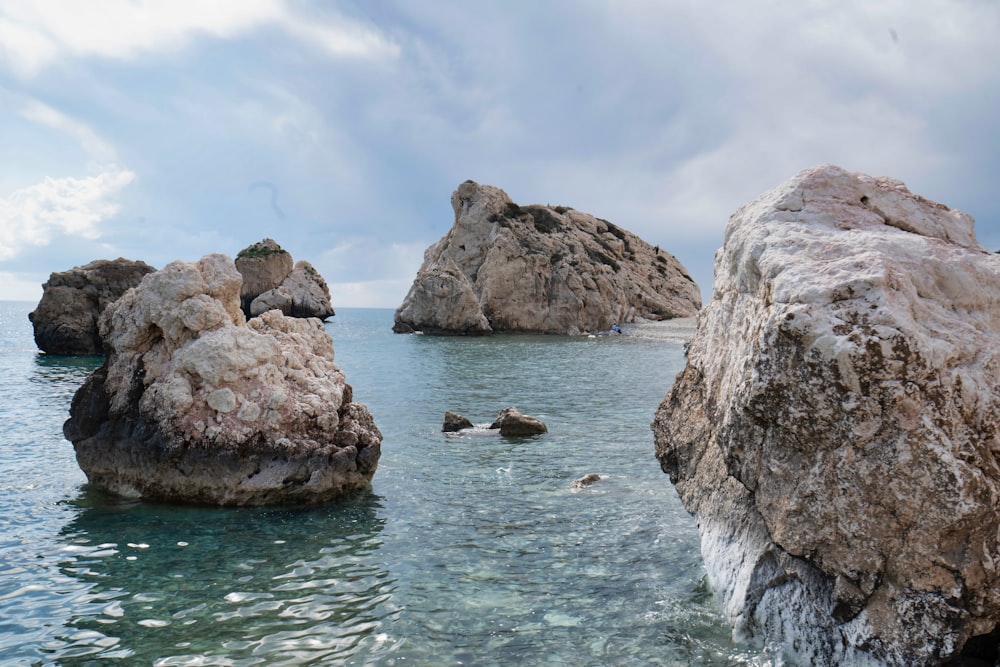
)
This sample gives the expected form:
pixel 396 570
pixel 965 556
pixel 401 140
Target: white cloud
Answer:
pixel 96 147
pixel 32 216
pixel 35 34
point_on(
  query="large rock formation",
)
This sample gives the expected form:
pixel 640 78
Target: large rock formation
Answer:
pixel 504 267
pixel 196 404
pixel 835 429
pixel 270 281
pixel 65 321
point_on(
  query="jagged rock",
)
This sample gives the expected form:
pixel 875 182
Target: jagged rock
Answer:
pixel 587 480
pixel 504 267
pixel 455 422
pixel 511 422
pixel 270 281
pixel 65 320
pixel 196 404
pixel 835 428
pixel 310 293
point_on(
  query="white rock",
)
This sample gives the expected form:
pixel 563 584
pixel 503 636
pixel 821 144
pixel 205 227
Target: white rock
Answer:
pixel 835 429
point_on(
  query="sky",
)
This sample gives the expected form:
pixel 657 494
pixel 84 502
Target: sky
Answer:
pixel 169 129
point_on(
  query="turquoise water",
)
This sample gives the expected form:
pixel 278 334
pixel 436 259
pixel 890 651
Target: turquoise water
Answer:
pixel 470 549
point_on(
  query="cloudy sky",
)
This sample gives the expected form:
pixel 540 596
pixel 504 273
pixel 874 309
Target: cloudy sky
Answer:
pixel 168 129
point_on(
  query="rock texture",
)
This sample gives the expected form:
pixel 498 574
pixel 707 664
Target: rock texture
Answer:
pixel 196 404
pixel 504 267
pixel 835 428
pixel 65 321
pixel 271 282
pixel 511 422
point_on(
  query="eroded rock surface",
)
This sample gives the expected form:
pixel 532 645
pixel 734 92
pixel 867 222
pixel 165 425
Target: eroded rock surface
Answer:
pixel 835 431
pixel 196 404
pixel 504 267
pixel 65 320
pixel 271 281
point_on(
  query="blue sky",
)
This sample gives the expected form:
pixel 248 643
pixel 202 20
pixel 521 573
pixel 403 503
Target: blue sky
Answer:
pixel 168 129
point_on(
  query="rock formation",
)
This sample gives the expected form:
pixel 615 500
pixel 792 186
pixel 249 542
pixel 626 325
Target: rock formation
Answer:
pixel 511 422
pixel 270 281
pixel 196 404
pixel 504 267
pixel 65 321
pixel 835 428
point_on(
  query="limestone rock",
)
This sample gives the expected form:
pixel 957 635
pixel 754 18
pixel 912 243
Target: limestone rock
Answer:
pixel 196 404
pixel 504 267
pixel 455 422
pixel 264 266
pixel 835 428
pixel 310 293
pixel 65 321
pixel 279 299
pixel 511 422
pixel 270 277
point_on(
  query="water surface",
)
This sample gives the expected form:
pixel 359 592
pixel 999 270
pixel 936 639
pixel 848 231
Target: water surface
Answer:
pixel 469 549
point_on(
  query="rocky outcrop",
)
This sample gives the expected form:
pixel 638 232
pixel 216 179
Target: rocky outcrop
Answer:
pixel 196 404
pixel 65 320
pixel 835 428
pixel 504 267
pixel 511 422
pixel 271 282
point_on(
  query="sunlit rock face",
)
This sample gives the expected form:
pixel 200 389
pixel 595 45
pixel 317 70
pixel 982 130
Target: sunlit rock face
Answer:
pixel 835 430
pixel 504 267
pixel 65 321
pixel 272 282
pixel 195 404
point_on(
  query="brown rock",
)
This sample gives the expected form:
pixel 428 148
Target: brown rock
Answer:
pixel 65 320
pixel 455 422
pixel 512 423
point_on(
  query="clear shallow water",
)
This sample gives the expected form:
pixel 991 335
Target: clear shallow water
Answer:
pixel 470 549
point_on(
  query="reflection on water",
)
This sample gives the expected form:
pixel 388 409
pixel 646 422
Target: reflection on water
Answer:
pixel 170 586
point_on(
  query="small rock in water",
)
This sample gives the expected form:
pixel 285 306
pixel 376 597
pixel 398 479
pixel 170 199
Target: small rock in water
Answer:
pixel 586 480
pixel 511 422
pixel 455 422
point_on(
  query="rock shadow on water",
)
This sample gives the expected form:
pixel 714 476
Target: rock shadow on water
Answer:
pixel 246 582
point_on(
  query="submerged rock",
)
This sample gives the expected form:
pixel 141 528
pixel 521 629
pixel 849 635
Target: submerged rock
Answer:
pixel 270 281
pixel 455 422
pixel 65 320
pixel 504 267
pixel 511 422
pixel 589 479
pixel 835 428
pixel 196 404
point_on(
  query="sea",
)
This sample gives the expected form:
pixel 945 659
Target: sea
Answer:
pixel 469 549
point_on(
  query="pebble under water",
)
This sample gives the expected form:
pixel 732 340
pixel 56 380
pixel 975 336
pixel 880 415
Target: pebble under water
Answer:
pixel 470 548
